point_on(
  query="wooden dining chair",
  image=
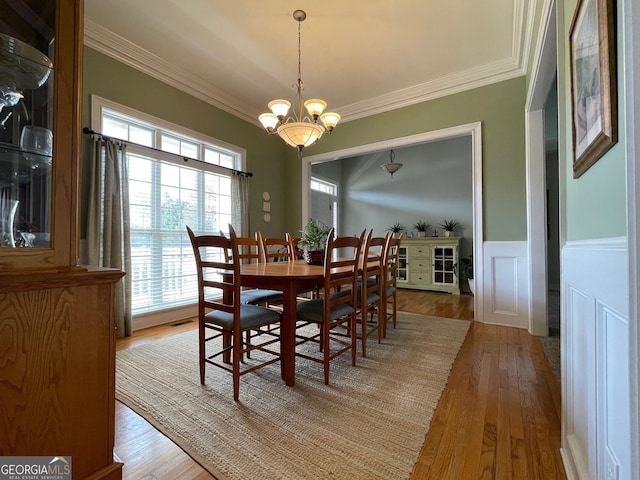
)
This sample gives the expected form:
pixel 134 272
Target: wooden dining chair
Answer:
pixel 249 251
pixel 391 282
pixel 370 297
pixel 334 313
pixel 274 249
pixel 294 251
pixel 223 319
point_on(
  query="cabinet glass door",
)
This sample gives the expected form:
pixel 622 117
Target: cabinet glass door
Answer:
pixel 26 122
pixel 403 269
pixel 444 265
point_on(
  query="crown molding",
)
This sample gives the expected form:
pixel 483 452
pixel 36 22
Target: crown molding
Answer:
pixel 124 51
pixel 441 87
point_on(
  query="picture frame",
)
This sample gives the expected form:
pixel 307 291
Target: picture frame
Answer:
pixel 594 104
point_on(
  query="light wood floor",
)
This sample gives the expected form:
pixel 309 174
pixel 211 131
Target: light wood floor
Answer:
pixel 498 418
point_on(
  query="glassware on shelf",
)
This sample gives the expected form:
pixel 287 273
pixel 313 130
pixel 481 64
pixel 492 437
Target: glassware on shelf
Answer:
pixel 22 67
pixel 8 208
pixel 37 139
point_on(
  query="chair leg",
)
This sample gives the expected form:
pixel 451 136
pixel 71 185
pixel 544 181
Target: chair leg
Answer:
pixel 354 336
pixel 327 351
pixel 248 342
pixel 202 352
pixel 226 344
pixel 379 322
pixel 385 319
pixel 394 309
pixel 363 331
pixel 237 354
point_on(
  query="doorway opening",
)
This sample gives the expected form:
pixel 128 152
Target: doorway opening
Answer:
pixel 474 130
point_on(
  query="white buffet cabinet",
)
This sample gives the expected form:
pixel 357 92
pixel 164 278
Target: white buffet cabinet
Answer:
pixel 429 263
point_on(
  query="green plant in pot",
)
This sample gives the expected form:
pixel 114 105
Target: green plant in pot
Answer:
pixel 397 228
pixel 313 241
pixel 421 227
pixel 466 271
pixel 449 227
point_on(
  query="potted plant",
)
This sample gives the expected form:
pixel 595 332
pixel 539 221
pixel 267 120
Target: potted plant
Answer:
pixel 421 227
pixel 466 271
pixel 449 227
pixel 397 228
pixel 313 241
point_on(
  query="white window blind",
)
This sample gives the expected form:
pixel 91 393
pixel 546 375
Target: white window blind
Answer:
pixel 166 194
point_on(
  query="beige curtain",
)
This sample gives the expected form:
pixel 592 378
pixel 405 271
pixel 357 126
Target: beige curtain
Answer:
pixel 240 203
pixel 108 225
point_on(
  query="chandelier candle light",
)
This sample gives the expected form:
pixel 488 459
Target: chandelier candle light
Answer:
pixel 299 130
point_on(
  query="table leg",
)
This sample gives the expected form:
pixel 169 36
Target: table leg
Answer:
pixel 288 334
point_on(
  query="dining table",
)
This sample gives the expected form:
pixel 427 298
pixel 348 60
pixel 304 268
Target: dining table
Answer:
pixel 291 277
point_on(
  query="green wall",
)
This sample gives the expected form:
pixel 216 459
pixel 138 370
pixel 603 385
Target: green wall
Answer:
pixel 119 83
pixel 595 202
pixel 277 169
pixel 500 108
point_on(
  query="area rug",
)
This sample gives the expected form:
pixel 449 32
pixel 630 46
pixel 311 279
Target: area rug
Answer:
pixel 370 422
pixel 551 347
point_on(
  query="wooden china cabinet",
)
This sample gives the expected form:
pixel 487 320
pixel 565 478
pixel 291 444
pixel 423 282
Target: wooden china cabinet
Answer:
pixel 57 337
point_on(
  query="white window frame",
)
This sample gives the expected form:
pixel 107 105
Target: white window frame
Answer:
pixel 101 106
pixel 333 187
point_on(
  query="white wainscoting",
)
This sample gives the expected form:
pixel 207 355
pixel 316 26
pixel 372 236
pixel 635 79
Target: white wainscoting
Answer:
pixel 505 282
pixel 595 360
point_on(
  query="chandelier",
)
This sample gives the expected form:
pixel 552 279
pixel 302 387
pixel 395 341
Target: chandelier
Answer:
pixel 391 167
pixel 299 130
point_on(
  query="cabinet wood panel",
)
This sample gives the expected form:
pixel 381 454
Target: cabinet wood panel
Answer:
pixel 57 369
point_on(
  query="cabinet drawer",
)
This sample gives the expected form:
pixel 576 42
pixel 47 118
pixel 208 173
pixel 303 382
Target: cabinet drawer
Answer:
pixel 420 278
pixel 420 265
pixel 419 251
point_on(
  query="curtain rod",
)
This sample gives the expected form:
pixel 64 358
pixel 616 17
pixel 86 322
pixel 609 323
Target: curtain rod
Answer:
pixel 88 131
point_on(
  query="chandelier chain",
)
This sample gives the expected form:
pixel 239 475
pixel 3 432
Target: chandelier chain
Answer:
pixel 299 54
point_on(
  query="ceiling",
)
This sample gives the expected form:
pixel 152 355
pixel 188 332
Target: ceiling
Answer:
pixel 362 57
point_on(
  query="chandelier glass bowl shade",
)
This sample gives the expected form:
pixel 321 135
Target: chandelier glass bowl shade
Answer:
pixel 391 167
pixel 299 130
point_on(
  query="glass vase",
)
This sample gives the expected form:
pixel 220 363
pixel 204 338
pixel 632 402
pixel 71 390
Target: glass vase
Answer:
pixel 8 210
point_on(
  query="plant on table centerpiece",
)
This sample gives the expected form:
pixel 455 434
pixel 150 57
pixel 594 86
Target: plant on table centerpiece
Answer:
pixel 449 227
pixel 397 228
pixel 313 241
pixel 421 227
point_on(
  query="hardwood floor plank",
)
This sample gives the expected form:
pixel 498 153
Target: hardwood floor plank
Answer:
pixel 498 417
pixel 490 429
pixel 504 465
pixel 478 392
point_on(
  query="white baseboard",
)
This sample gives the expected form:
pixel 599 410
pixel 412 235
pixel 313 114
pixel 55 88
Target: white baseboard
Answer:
pixel 172 315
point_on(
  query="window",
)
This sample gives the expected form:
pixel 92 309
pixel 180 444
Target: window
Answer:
pixel 323 186
pixel 167 192
pixel 324 201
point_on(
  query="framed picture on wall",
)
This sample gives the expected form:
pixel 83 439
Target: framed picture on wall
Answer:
pixel 594 106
